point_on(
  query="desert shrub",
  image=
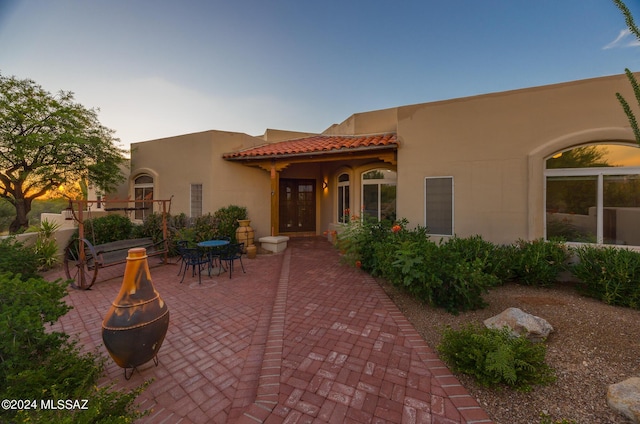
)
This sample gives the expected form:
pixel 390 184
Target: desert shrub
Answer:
pixel 463 284
pixel 415 268
pixel 609 274
pixel 452 275
pixel 108 228
pixel 227 220
pixel 46 247
pixel 17 259
pixel 538 262
pixel 151 227
pixel 448 275
pixel 495 357
pixel 39 364
pixel 493 259
pixel 205 227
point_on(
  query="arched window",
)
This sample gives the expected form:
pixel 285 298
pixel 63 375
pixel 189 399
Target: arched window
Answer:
pixel 379 194
pixel 592 194
pixel 143 190
pixel 343 198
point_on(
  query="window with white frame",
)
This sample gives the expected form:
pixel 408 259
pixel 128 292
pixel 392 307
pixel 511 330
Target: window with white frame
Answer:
pixel 143 190
pixel 196 200
pixel 379 194
pixel 438 205
pixel 343 198
pixel 592 195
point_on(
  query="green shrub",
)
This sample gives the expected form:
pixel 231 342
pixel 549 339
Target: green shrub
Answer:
pixel 609 274
pixel 227 220
pixel 151 227
pixel 108 228
pixel 493 259
pixel 494 357
pixel 205 227
pixel 449 275
pixel 36 363
pixel 463 284
pixel 415 268
pixel 46 247
pixel 17 259
pixel 538 262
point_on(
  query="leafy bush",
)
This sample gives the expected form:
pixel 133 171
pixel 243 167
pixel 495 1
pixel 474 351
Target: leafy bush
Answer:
pixel 494 357
pixel 493 259
pixel 108 228
pixel 151 227
pixel 39 364
pixel 452 275
pixel 205 227
pixel 413 268
pixel 538 262
pixel 17 259
pixel 46 247
pixel 227 220
pixel 463 282
pixel 609 274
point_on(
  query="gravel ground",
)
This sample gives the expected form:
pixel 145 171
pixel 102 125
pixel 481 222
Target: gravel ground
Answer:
pixel 592 346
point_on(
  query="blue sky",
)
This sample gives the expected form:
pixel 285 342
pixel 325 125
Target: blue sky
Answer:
pixel 159 68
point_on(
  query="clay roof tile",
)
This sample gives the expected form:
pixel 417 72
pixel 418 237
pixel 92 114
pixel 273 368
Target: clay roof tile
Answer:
pixel 315 144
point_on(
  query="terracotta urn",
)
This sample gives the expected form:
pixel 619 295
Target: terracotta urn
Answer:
pixel 244 233
pixel 252 251
pixel 135 326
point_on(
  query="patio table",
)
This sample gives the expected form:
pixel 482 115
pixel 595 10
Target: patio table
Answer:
pixel 212 246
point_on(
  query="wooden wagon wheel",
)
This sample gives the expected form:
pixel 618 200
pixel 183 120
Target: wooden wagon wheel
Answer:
pixel 80 264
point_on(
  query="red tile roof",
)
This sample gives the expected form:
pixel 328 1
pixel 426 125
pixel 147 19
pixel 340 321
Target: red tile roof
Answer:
pixel 316 144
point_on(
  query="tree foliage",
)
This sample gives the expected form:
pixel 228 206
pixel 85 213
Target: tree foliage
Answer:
pixel 48 140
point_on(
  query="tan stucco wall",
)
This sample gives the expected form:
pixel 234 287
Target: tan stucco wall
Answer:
pixel 178 162
pixel 495 146
pixel 374 122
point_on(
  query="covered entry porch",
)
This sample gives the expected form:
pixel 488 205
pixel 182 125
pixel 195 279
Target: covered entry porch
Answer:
pixel 320 181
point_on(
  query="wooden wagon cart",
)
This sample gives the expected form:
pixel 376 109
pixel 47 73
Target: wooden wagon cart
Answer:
pixel 83 259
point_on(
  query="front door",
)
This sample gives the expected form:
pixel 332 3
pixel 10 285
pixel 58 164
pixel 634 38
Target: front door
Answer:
pixel 297 207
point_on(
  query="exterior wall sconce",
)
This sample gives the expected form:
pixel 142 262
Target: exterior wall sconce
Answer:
pixel 67 214
pixel 325 185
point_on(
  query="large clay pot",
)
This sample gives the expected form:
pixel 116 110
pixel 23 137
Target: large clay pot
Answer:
pixel 244 233
pixel 135 326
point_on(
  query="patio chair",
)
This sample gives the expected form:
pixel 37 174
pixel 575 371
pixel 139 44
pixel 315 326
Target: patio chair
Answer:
pixel 229 255
pixel 193 258
pixel 180 245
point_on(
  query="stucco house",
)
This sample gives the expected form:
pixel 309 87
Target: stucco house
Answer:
pixel 501 165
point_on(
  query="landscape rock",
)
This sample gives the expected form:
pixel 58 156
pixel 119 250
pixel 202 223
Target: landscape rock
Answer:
pixel 624 397
pixel 521 323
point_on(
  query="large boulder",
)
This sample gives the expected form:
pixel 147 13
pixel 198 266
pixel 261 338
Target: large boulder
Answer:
pixel 624 397
pixel 521 323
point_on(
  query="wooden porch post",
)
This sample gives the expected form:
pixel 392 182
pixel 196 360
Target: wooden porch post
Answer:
pixel 274 199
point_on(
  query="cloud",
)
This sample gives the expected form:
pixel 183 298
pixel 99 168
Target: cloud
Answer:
pixel 624 39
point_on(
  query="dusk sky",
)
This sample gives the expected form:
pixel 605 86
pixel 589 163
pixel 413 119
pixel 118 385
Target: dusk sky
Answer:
pixel 164 68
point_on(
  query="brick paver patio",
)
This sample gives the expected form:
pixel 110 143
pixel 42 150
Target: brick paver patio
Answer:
pixel 299 338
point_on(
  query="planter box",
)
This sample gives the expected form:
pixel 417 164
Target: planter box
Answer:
pixel 274 244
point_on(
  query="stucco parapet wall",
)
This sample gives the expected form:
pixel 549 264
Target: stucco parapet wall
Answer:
pixel 275 244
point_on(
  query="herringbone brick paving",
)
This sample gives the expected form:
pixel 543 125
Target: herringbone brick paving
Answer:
pixel 298 338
